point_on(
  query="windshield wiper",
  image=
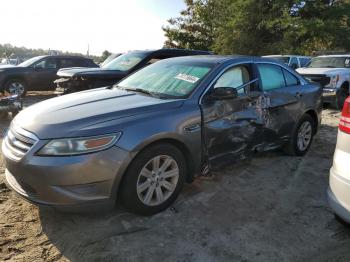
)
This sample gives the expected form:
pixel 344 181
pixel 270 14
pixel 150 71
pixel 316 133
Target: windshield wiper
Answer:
pixel 143 91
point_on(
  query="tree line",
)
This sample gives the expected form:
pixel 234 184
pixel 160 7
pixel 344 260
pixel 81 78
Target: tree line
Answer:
pixel 23 53
pixel 260 27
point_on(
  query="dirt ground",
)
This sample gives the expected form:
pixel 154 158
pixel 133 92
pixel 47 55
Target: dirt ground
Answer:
pixel 272 208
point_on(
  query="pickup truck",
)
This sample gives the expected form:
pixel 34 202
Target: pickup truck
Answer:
pixel 293 61
pixel 332 72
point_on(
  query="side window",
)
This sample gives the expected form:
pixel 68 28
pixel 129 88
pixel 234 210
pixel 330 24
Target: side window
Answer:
pixel 40 64
pixel 291 80
pixel 271 76
pixel 66 62
pixel 49 63
pixel 234 78
pixel 80 62
pixel 304 61
pixel 293 61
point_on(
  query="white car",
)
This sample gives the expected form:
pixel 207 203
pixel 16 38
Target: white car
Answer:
pixel 333 73
pixel 293 61
pixel 338 193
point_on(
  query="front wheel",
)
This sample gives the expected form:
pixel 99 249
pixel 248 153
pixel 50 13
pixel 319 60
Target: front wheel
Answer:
pixel 16 87
pixel 154 179
pixel 302 136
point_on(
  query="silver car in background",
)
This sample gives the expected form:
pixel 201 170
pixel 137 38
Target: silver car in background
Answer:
pixel 339 179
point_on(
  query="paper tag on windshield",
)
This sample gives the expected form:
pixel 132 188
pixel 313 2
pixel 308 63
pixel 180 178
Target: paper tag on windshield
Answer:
pixel 187 78
pixel 125 62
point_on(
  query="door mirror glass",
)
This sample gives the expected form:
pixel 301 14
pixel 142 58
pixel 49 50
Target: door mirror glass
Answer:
pixel 222 93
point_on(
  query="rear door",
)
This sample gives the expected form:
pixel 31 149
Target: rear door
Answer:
pixel 283 92
pixel 232 127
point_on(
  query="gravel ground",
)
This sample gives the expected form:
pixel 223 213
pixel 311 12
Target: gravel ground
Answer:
pixel 272 208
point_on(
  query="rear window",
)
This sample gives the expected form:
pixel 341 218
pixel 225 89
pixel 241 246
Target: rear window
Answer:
pixel 291 80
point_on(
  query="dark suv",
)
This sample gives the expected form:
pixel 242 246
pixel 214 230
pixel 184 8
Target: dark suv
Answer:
pixel 141 139
pixel 78 79
pixel 37 73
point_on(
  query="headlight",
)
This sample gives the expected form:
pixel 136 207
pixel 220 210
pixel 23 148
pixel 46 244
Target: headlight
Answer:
pixel 78 146
pixel 334 81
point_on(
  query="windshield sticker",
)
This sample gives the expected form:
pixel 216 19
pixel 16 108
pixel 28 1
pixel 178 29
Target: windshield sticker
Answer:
pixel 125 62
pixel 187 78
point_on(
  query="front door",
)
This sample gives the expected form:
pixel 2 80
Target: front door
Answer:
pixel 232 127
pixel 45 73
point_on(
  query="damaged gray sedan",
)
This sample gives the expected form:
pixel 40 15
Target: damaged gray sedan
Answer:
pixel 139 141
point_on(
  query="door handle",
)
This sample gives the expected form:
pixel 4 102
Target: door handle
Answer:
pixel 192 128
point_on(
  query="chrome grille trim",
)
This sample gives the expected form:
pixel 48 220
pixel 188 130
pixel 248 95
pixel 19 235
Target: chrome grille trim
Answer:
pixel 18 142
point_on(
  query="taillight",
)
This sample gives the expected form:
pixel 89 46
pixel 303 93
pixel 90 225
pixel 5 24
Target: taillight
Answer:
pixel 344 124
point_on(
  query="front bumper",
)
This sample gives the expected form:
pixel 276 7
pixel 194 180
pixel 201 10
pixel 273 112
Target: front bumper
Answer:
pixel 73 183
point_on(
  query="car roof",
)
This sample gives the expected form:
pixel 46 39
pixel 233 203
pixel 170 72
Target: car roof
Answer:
pixel 219 59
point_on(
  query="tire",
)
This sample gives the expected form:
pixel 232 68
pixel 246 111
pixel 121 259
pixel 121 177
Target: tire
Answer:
pixel 144 200
pixel 16 86
pixel 341 220
pixel 293 147
pixel 342 94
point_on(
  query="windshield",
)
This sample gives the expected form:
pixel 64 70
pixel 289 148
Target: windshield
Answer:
pixel 329 62
pixel 168 78
pixel 30 61
pixel 125 62
pixel 282 59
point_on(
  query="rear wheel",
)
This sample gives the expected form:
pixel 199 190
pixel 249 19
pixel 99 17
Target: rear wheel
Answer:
pixel 302 137
pixel 342 94
pixel 16 87
pixel 153 180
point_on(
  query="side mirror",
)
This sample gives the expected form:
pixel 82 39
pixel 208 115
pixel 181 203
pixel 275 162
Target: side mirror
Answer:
pixel 223 93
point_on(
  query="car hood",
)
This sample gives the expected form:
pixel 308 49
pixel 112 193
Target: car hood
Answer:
pixel 321 71
pixel 78 114
pixel 90 73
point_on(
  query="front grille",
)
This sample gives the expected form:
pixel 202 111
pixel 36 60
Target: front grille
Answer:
pixel 323 80
pixel 17 144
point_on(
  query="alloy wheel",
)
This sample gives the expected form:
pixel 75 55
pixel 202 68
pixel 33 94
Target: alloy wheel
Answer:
pixel 304 136
pixel 16 88
pixel 157 180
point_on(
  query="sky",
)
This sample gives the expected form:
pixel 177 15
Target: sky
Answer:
pixel 72 25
